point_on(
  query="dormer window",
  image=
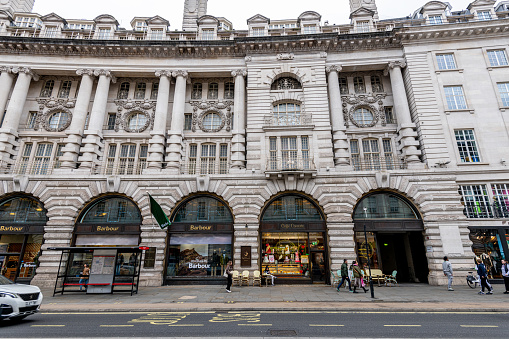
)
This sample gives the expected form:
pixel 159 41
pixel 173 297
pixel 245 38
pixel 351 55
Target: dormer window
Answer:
pixel 156 34
pixel 104 33
pixel 28 22
pixel 435 20
pixel 141 26
pixel 484 15
pixel 258 31
pixel 362 26
pixel 207 34
pixel 51 32
pixel 309 29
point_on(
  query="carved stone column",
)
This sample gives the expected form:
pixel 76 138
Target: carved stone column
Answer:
pixel 6 80
pixel 77 127
pixel 341 153
pixel 177 122
pixel 9 130
pixel 93 135
pixel 406 128
pixel 239 114
pixel 156 151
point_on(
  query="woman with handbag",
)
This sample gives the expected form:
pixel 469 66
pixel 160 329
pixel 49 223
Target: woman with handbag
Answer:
pixel 228 273
pixel 357 274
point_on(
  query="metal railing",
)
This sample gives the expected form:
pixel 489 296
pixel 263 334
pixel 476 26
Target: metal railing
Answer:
pixel 485 210
pixel 378 164
pixel 121 167
pixel 205 167
pixel 290 164
pixel 38 167
pixel 289 120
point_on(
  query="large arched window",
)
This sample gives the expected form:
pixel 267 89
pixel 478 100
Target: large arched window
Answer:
pixel 292 207
pixel 22 210
pixel 112 210
pixel 384 206
pixel 203 209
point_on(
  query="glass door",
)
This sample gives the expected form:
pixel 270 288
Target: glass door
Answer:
pixel 318 267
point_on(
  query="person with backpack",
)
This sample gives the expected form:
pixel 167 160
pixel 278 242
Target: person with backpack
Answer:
pixel 483 275
pixel 344 276
pixel 505 275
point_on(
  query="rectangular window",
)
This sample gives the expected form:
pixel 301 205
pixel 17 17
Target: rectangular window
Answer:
pixel 484 15
pixel 110 161
pixel 229 90
pixel 223 159
pixel 446 61
pixel 156 34
pixel 104 33
pixel 127 159
pixel 388 154
pixel 155 91
pixel 32 118
pixel 343 85
pixel 467 146
pixel 142 159
pixel 141 88
pixel 47 89
pixel 362 26
pixel 112 121
pixel 455 97
pixel 42 160
pixel 376 84
pixel 355 154
pixel 435 20
pixel 208 159
pixel 358 85
pixel 476 201
pixel 389 115
pixel 197 92
pixel 497 57
pixel 501 200
pixel 289 152
pixel 371 154
pixel 65 89
pixel 25 158
pixel 59 154
pixel 188 122
pixel 503 88
pixel 258 31
pixel 213 92
pixel 309 29
pixel 207 34
pixel 273 153
pixel 193 154
pixel 51 32
pixel 305 152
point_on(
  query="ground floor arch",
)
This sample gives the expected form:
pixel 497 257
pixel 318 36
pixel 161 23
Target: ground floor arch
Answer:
pixel 395 236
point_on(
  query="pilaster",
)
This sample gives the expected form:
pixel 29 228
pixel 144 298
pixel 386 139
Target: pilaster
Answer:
pixel 174 149
pixel 239 130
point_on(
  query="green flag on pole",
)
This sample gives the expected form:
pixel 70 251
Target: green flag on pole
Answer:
pixel 158 213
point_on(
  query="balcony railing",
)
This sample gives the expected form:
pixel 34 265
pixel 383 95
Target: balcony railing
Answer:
pixel 288 120
pixel 209 167
pixel 290 164
pixel 122 167
pixel 484 210
pixel 41 167
pixel 387 163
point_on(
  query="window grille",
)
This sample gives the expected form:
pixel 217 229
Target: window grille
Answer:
pixel 305 152
pixel 213 92
pixel 197 91
pixel 110 161
pixel 287 114
pixel 32 118
pixel 208 158
pixel 371 154
pixel 142 158
pixel 389 115
pixel 497 57
pixel 355 154
pixel 388 153
pixel 289 152
pixel 273 153
pixel 104 33
pixel 484 15
pixel 455 97
pixel 362 26
pixel 207 34
pixel 358 85
pixel 258 31
pixel 25 158
pixel 467 146
pixel 501 200
pixel 435 20
pixel 59 153
pixel 127 159
pixel 156 34
pixel 42 160
pixel 309 29
pixel 65 89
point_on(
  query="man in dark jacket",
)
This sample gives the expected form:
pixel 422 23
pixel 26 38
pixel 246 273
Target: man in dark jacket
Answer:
pixel 344 276
pixel 483 275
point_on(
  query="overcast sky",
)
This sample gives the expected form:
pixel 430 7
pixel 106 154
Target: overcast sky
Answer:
pixel 237 11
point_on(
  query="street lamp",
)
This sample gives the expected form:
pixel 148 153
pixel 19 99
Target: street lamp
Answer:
pixel 371 288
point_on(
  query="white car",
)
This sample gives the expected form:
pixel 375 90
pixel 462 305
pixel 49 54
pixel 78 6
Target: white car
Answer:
pixel 18 301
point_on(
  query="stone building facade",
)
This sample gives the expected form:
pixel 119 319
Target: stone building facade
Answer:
pixel 289 131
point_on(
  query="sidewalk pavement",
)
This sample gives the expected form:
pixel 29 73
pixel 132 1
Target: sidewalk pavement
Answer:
pixel 193 298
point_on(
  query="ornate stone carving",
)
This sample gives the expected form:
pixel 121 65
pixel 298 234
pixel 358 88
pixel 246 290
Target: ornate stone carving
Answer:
pixel 5 69
pixel 47 115
pixel 359 101
pixel 164 72
pixel 393 64
pixel 333 68
pixel 239 72
pixel 26 70
pixel 106 73
pixel 49 106
pixel 222 108
pixel 85 71
pixel 286 56
pixel 371 108
pixel 124 120
pixel 180 73
pixel 126 108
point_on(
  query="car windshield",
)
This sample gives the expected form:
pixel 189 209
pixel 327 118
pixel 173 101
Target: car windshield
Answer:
pixel 5 281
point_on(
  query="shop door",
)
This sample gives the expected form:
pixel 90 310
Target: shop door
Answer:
pixel 318 267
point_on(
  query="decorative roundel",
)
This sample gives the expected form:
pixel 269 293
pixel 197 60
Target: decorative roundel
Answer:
pixel 57 120
pixel 211 121
pixel 364 116
pixel 136 122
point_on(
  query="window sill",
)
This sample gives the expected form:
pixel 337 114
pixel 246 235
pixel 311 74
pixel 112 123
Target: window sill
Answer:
pixel 490 68
pixel 504 108
pixel 460 70
pixel 471 111
pixel 473 163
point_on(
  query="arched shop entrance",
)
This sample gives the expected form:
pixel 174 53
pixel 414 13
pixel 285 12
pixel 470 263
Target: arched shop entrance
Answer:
pixel 199 241
pixel 395 236
pixel 293 240
pixel 22 221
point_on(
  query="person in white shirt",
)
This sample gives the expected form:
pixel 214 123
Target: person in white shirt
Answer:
pixel 447 268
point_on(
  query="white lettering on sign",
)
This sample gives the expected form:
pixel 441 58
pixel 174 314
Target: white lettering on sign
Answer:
pixel 191 265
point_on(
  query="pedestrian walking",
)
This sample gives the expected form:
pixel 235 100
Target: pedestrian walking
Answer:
pixel 228 271
pixel 344 276
pixel 84 277
pixel 357 274
pixel 483 275
pixel 505 274
pixel 447 268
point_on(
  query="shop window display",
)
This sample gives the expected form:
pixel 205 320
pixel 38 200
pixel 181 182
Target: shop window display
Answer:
pixel 487 245
pixel 198 255
pixel 363 251
pixel 287 253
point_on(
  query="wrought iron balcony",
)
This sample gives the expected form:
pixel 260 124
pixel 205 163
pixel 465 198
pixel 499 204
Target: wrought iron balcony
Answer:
pixel 387 163
pixel 288 120
pixel 484 210
pixel 39 167
pixel 207 167
pixel 291 164
pixel 121 167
